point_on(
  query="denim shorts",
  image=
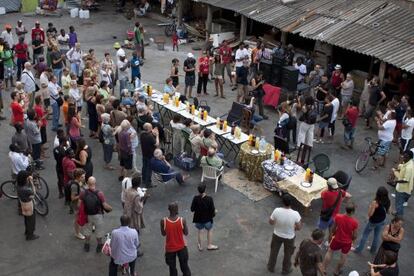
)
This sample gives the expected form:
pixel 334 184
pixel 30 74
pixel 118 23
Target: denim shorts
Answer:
pixel 207 225
pixel 323 225
pixel 384 147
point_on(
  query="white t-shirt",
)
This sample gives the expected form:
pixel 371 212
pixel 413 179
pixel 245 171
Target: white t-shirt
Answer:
pixel 283 117
pixel 387 134
pixel 63 41
pixel 28 80
pixel 240 55
pixel 120 53
pixel 335 104
pixel 302 70
pixel 122 74
pixel 285 222
pixel 407 133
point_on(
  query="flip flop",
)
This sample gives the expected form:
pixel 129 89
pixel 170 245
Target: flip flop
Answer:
pixel 213 247
pixel 199 247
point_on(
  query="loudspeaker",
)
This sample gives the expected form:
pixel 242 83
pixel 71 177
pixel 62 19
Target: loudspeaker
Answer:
pixel 278 61
pixel 290 78
pixel 266 69
pixel 276 75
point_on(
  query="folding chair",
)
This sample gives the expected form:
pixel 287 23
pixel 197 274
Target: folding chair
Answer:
pixel 212 173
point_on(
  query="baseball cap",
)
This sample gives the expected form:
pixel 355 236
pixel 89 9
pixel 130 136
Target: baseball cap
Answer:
pixel 8 26
pixel 190 55
pixel 19 21
pixel 353 273
pixel 117 45
pixel 37 23
pixel 338 66
pixel 332 183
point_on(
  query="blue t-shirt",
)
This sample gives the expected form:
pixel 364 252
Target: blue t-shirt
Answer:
pixel 135 67
pixel 160 166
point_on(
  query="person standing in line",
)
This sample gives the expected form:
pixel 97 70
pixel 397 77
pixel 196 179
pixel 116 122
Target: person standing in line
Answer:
pixel 25 193
pixel 124 247
pixel 189 69
pixel 226 56
pixel 204 211
pixel 285 222
pixel 76 186
pixel 350 122
pixel 173 228
pixel 20 29
pixel 377 213
pixel 95 205
pixel 149 142
pixel 54 91
pixel 108 140
pixel 347 88
pixel 27 79
pixel 404 180
pixel 21 51
pixel 344 233
pixel 309 256
pixel 59 153
pixel 203 71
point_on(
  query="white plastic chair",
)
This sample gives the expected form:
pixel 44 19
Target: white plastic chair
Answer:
pixel 212 173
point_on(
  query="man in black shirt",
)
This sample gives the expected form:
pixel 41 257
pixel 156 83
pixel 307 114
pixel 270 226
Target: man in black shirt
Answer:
pixel 59 153
pixel 25 193
pixel 189 69
pixel 37 48
pixel 149 142
pixel 309 256
pixel 57 63
pixel 376 97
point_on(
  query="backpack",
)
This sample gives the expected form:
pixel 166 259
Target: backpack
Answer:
pixel 93 204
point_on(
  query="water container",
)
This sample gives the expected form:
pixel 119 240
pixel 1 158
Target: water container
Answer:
pixel 81 14
pixel 262 144
pixel 86 14
pixel 2 10
pixel 74 12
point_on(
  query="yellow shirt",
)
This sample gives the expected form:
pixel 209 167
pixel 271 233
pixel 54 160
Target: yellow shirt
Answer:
pixel 406 173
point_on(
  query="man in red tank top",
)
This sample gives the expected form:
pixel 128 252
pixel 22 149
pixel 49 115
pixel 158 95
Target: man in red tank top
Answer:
pixel 174 228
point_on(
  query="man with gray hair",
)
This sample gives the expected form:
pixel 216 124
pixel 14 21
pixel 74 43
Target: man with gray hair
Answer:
pixel 212 159
pixel 108 140
pixel 149 142
pixel 28 80
pixel 160 165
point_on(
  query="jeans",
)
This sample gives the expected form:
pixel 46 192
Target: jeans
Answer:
pixel 30 225
pixel 20 65
pixel 146 170
pixel 122 84
pixel 58 74
pixel 56 115
pixel 113 268
pixel 349 136
pixel 400 199
pixel 288 247
pixel 108 150
pixel 36 151
pixel 202 81
pixel 75 68
pixel 170 259
pixel 377 227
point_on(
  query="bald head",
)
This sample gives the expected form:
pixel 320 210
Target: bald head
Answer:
pixel 211 152
pixel 27 65
pixel 91 182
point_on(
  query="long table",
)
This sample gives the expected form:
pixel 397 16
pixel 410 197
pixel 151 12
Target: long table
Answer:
pixel 196 117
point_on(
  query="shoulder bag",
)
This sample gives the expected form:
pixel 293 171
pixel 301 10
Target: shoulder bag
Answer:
pixel 326 214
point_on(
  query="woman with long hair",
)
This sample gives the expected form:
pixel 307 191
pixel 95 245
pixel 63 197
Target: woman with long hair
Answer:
pixel 93 114
pixel 83 158
pixel 74 125
pixel 377 213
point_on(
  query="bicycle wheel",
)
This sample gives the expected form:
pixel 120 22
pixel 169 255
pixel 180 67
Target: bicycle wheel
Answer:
pixel 41 186
pixel 9 189
pixel 362 161
pixel 40 205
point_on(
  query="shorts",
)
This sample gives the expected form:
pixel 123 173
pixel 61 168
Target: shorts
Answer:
pixel 43 134
pixel 96 220
pixel 336 245
pixel 125 160
pixel 345 99
pixel 323 225
pixel 384 147
pixel 219 77
pixel 190 80
pixel 206 225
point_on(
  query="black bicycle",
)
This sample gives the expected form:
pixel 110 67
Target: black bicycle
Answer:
pixel 9 187
pixel 368 152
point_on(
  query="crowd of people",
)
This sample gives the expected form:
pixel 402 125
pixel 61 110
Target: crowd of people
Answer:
pixel 58 79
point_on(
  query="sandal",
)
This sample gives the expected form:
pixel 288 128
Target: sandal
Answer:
pixel 199 247
pixel 212 247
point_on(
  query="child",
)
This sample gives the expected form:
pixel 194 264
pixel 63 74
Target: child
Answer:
pixel 41 118
pixel 135 70
pixel 65 109
pixel 65 81
pixel 175 41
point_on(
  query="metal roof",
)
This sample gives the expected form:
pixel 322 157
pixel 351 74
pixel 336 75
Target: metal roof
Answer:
pixel 378 28
pixel 11 5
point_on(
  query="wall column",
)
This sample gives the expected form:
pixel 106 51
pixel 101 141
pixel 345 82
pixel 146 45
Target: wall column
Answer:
pixel 243 27
pixel 209 21
pixel 381 74
pixel 180 5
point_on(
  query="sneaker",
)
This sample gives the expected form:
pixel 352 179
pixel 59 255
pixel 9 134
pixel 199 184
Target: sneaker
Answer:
pixel 93 228
pixel 392 195
pixel 368 247
pixel 80 236
pixel 99 248
pixel 405 204
pixel 86 247
pixel 32 238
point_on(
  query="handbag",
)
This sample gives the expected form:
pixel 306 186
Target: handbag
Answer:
pixel 106 248
pixel 27 208
pixel 59 100
pixel 82 217
pixel 326 214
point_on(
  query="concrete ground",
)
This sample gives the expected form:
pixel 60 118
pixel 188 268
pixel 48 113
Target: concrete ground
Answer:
pixel 241 229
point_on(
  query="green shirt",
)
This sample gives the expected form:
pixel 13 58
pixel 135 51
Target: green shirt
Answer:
pixel 214 161
pixel 137 35
pixel 7 57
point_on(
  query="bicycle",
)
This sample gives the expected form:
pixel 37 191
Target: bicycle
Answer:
pixel 9 187
pixel 368 152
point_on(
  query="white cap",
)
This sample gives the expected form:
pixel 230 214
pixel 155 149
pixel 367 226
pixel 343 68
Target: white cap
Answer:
pixel 353 273
pixel 190 55
pixel 338 66
pixel 332 183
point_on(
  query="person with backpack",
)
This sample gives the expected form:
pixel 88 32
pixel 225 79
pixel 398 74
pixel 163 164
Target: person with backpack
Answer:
pixel 332 198
pixel 95 205
pixel 76 186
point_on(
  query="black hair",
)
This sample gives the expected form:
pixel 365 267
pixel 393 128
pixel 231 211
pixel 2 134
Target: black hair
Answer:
pixel 136 182
pixel 287 200
pixel 207 132
pixel 125 220
pixel 318 234
pixel 381 197
pixel 201 188
pixel 22 178
pixel 31 114
pixel 350 208
pixel 13 148
pixel 103 83
pixel 18 127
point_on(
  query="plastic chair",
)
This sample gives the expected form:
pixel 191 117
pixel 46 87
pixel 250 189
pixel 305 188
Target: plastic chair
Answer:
pixel 212 173
pixel 321 162
pixel 343 179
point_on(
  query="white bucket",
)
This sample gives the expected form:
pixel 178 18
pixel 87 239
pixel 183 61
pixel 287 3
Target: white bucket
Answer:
pixel 2 10
pixel 86 14
pixel 74 12
pixel 81 13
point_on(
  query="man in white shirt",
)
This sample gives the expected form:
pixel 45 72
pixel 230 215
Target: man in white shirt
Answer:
pixel 285 221
pixel 19 161
pixel 54 90
pixel 242 54
pixel 63 40
pixel 7 35
pixel 28 81
pixel 123 72
pixel 302 69
pixel 407 130
pixel 385 137
pixel 74 56
pixel 336 104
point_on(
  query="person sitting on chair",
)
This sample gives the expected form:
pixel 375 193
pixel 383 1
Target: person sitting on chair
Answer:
pixel 212 159
pixel 160 165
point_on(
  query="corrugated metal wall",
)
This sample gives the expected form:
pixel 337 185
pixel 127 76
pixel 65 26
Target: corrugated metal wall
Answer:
pixel 11 5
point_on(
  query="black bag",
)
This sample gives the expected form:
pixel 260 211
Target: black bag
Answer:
pixel 59 100
pixel 101 137
pixel 93 204
pixel 36 86
pixel 326 214
pixel 347 124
